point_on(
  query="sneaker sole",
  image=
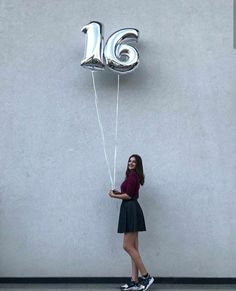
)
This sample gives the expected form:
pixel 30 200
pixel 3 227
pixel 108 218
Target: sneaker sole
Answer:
pixel 127 289
pixel 132 289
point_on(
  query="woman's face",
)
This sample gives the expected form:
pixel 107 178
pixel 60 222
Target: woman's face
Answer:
pixel 132 163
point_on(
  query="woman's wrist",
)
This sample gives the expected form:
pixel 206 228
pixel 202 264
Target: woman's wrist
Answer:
pixel 115 193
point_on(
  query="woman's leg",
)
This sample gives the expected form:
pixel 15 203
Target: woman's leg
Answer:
pixel 129 246
pixel 134 267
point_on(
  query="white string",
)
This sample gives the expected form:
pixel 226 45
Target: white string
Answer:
pixel 117 111
pixel 101 130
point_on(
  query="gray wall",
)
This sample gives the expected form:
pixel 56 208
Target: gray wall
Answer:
pixel 177 110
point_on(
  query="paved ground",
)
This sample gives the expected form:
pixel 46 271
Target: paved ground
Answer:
pixel 110 287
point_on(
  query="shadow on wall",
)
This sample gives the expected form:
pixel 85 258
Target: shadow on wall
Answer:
pixel 143 78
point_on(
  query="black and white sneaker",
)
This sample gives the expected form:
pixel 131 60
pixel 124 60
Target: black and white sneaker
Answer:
pixel 131 286
pixel 146 282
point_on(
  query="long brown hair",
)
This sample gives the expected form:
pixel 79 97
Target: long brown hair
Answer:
pixel 138 169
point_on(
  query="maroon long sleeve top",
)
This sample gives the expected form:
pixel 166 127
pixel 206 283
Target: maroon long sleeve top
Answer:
pixel 131 185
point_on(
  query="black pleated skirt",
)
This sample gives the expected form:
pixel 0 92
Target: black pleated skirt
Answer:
pixel 131 218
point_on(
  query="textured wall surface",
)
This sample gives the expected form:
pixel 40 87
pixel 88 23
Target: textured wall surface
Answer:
pixel 177 110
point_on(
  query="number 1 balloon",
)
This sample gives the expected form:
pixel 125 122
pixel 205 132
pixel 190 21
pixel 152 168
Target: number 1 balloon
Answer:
pixel 94 47
pixel 119 56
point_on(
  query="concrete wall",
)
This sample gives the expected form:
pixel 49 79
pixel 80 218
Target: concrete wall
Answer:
pixel 177 110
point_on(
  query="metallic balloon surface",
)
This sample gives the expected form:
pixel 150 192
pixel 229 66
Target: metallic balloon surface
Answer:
pixel 121 57
pixel 93 59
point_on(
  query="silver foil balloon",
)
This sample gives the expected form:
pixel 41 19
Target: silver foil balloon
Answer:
pixel 121 57
pixel 93 59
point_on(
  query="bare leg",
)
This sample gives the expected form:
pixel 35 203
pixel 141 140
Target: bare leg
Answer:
pixel 134 267
pixel 129 247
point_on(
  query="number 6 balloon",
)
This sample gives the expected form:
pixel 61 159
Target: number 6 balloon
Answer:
pixel 116 50
pixel 120 57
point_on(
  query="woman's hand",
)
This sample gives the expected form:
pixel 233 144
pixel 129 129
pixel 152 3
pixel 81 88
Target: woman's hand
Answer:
pixel 111 194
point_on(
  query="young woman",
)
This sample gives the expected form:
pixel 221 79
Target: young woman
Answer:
pixel 131 221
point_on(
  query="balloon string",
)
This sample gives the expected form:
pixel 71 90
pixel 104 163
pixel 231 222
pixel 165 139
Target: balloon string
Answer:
pixel 101 130
pixel 116 131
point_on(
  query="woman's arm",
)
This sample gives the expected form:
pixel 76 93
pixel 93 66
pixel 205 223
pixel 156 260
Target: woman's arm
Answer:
pixel 122 196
